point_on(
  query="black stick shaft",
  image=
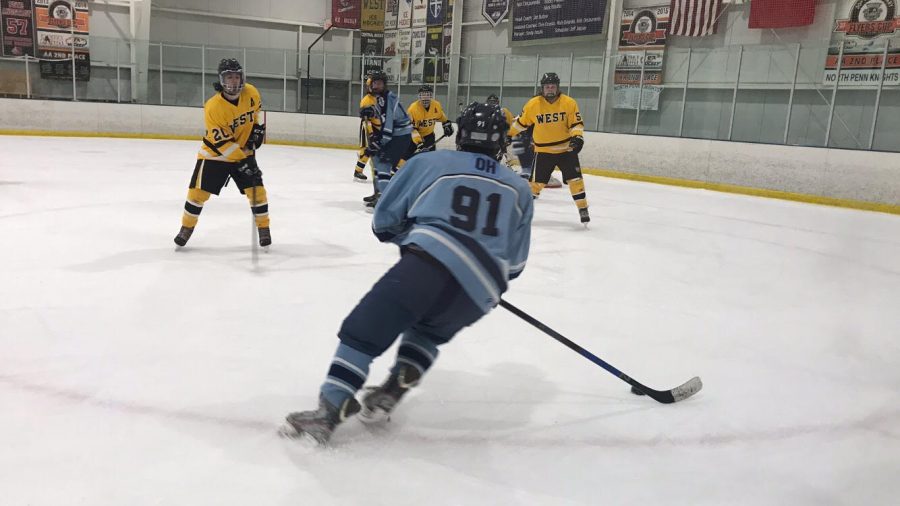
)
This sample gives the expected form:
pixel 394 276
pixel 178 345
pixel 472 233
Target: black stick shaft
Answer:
pixel 665 397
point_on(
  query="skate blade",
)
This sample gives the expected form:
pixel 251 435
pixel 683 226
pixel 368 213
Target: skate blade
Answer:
pixel 358 180
pixel 373 417
pixel 287 431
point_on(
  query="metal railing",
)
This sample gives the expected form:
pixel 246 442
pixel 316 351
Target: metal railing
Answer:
pixel 778 94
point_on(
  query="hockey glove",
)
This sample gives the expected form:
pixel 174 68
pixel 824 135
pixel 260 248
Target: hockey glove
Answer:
pixel 576 143
pixel 257 136
pixel 248 168
pixel 368 112
pixel 448 129
pixel 373 147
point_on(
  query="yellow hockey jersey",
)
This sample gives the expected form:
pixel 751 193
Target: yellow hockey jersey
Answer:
pixel 228 126
pixel 370 100
pixel 423 120
pixel 554 124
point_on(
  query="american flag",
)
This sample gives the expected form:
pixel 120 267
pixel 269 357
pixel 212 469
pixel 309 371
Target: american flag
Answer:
pixel 694 18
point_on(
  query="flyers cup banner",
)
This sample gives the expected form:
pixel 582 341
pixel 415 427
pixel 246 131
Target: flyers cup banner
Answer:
pixel 62 28
pixel 864 28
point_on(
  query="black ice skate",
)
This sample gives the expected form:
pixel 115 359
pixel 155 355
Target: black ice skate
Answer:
pixel 265 236
pixel 378 402
pixel 583 213
pixel 183 235
pixel 359 177
pixel 371 198
pixel 317 426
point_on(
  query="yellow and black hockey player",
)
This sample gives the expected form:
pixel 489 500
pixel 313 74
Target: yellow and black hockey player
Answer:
pixel 424 113
pixel 495 100
pixel 370 125
pixel 558 138
pixel 234 132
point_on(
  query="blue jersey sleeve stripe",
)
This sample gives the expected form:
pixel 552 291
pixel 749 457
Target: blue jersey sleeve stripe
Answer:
pixel 479 253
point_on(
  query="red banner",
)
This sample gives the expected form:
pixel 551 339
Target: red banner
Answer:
pixel 346 13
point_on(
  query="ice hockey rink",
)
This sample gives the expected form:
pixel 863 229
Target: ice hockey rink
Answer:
pixel 134 374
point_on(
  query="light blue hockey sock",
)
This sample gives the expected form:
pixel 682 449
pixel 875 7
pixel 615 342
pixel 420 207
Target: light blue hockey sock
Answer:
pixel 347 374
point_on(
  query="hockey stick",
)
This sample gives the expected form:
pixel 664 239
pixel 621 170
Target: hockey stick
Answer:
pixel 676 394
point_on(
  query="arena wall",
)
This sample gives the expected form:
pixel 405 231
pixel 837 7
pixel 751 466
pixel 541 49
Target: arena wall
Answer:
pixel 858 179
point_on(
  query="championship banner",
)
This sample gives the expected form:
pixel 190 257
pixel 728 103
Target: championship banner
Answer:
pixel 419 13
pixel 372 44
pixel 643 30
pixel 404 45
pixel 345 14
pixel 404 14
pixel 864 27
pixel 417 68
pixel 548 21
pixel 372 16
pixel 448 34
pixel 62 26
pixel 494 10
pixel 390 14
pixel 436 10
pixel 448 12
pixel 392 60
pixel 642 44
pixel 434 48
pixel 17 20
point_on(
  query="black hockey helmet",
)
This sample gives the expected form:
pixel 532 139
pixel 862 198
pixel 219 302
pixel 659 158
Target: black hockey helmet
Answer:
pixel 426 93
pixel 492 100
pixel 550 78
pixel 482 129
pixel 376 75
pixel 426 88
pixel 229 66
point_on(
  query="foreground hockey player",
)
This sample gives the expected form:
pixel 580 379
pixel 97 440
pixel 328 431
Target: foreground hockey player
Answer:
pixel 463 224
pixel 558 138
pixel 391 130
pixel 233 134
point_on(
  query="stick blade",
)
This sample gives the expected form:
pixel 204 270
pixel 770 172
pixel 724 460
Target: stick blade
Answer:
pixel 688 389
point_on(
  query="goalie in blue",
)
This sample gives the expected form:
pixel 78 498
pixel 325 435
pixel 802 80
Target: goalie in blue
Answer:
pixel 463 224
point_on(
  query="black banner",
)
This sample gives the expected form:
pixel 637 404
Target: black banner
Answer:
pixel 62 29
pixel 547 21
pixel 17 19
pixel 495 10
pixel 436 9
pixel 434 42
pixel 372 44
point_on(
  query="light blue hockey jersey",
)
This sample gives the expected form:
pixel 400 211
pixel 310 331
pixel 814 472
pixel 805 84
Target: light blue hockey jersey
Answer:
pixel 394 119
pixel 468 211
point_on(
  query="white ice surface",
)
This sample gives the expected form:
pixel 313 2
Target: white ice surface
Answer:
pixel 132 374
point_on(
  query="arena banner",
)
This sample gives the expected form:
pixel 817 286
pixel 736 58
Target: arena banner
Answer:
pixel 390 14
pixel 864 27
pixel 404 44
pixel 448 34
pixel 419 13
pixel 494 10
pixel 434 48
pixel 345 14
pixel 372 16
pixel 372 44
pixel 417 67
pixel 392 59
pixel 62 27
pixel 556 21
pixel 642 45
pixel 448 12
pixel 17 20
pixel 404 14
pixel 436 10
